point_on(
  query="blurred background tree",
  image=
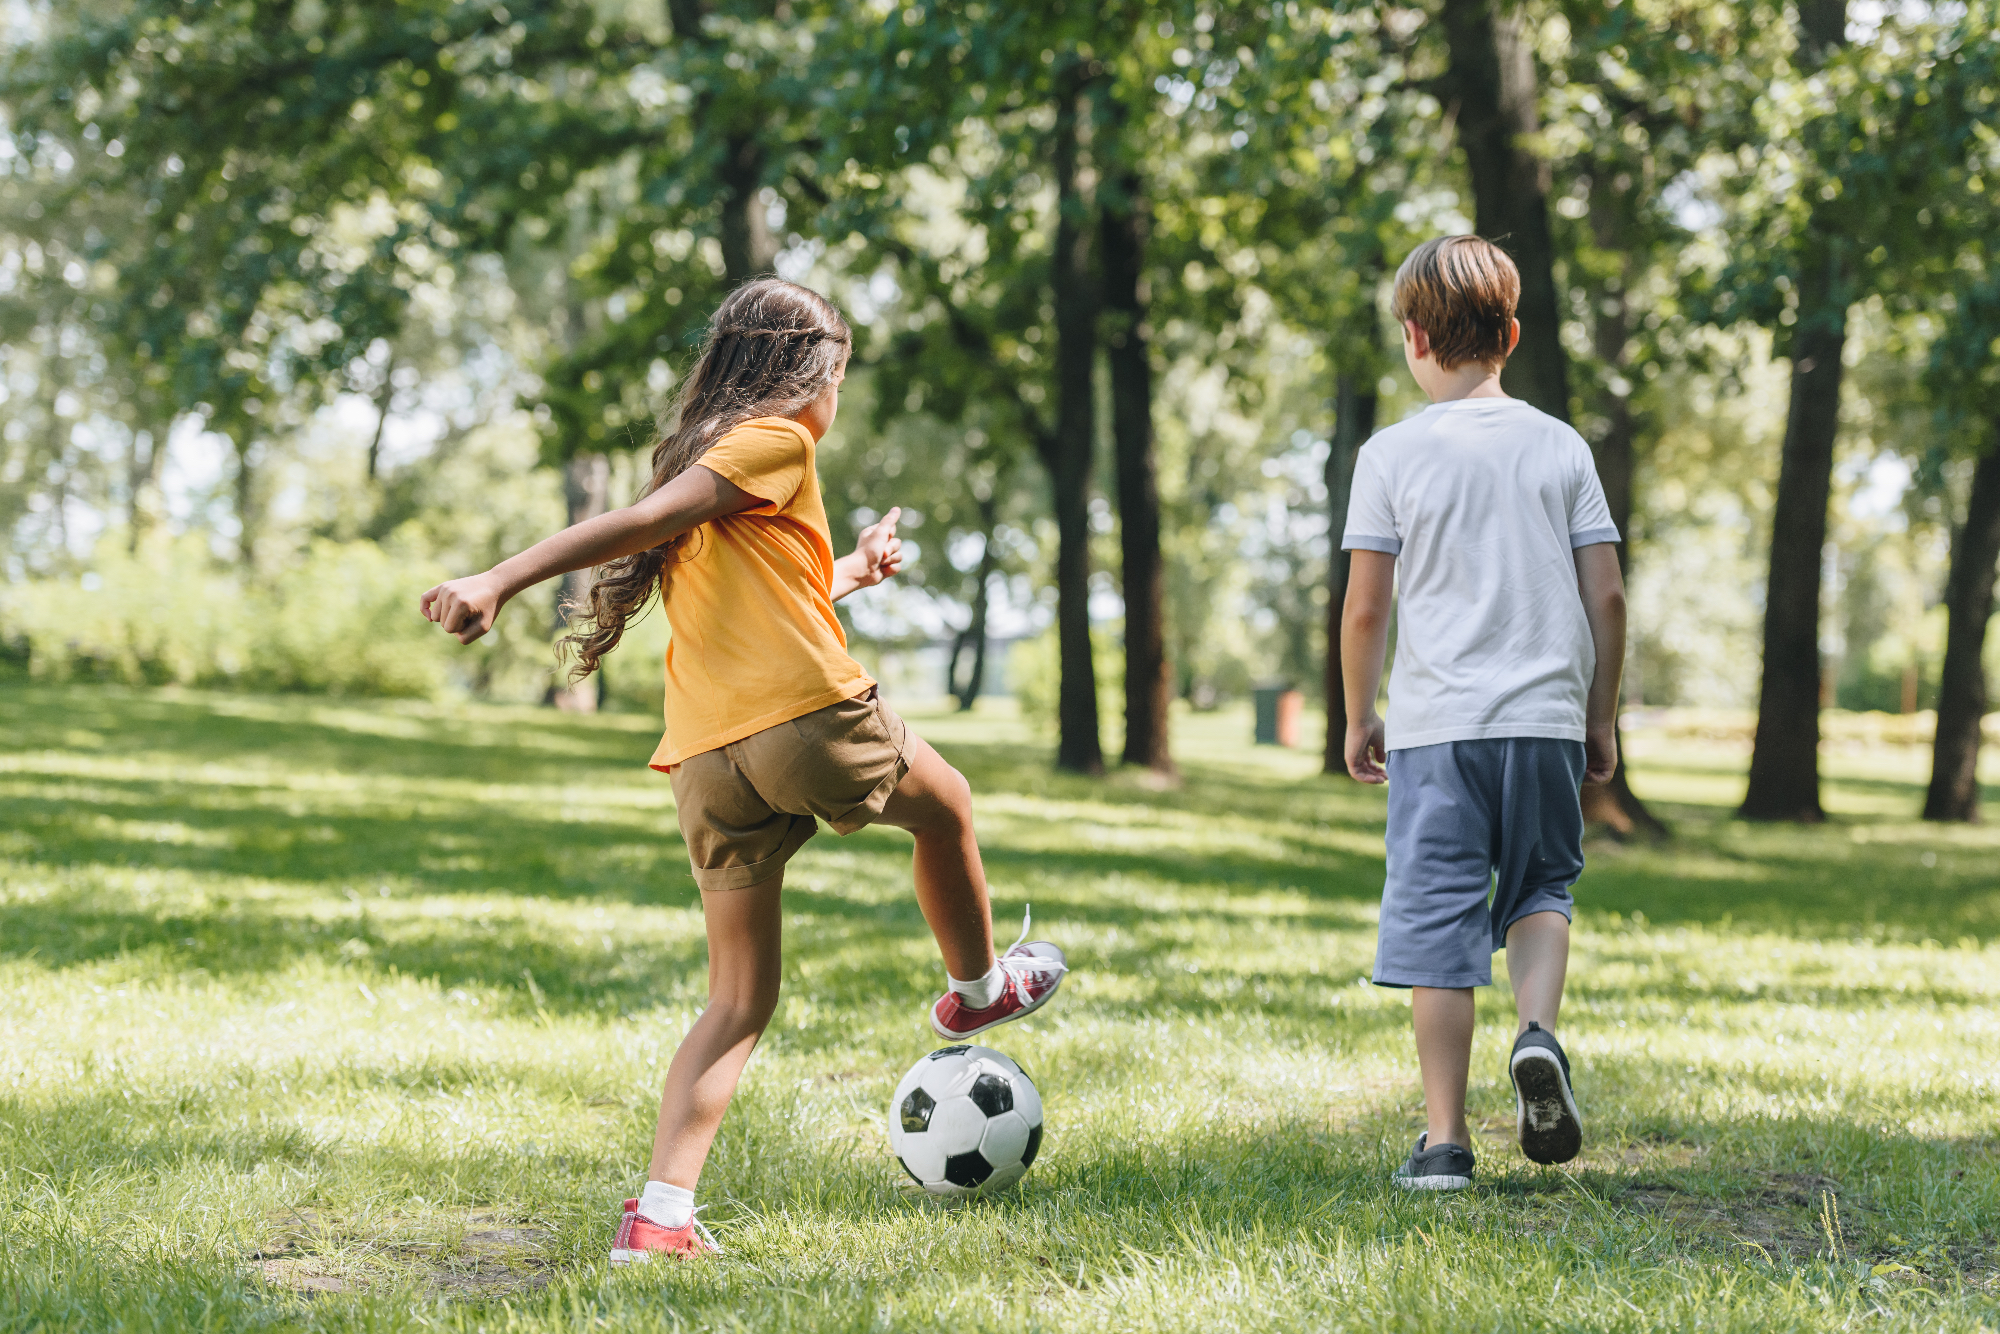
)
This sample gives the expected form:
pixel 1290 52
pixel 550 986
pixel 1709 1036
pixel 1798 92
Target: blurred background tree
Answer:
pixel 301 304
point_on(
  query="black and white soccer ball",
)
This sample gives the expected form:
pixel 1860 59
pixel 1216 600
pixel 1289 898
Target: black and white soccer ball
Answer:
pixel 965 1119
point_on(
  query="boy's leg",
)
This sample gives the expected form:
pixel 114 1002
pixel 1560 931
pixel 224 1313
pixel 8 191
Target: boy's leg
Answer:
pixel 1537 964
pixel 1435 933
pixel 744 958
pixel 1442 1017
pixel 934 802
pixel 1541 857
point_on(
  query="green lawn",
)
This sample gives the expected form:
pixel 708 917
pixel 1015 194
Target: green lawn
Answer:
pixel 327 1015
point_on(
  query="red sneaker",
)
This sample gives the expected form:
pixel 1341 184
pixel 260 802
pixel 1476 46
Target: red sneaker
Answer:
pixel 1033 971
pixel 641 1238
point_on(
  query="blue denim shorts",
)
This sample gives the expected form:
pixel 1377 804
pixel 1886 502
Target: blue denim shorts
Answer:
pixel 1470 821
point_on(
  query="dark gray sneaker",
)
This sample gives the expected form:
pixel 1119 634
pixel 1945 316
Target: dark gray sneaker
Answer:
pixel 1544 1103
pixel 1447 1167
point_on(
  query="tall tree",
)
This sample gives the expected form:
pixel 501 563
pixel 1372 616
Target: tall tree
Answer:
pixel 1962 690
pixel 1784 759
pixel 1148 686
pixel 1069 450
pixel 253 138
pixel 1492 78
pixel 980 96
pixel 1955 230
pixel 1491 81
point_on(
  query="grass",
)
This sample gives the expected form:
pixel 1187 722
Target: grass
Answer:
pixel 333 1016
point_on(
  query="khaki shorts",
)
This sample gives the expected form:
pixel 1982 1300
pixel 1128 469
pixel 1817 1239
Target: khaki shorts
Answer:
pixel 746 807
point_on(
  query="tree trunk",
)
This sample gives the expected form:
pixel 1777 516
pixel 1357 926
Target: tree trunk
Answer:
pixel 246 506
pixel 973 637
pixel 1614 804
pixel 1954 790
pixel 383 397
pixel 1784 759
pixel 1067 452
pixel 1492 79
pixel 142 477
pixel 1353 423
pixel 587 491
pixel 1148 687
pixel 972 640
pixel 748 247
pixel 745 233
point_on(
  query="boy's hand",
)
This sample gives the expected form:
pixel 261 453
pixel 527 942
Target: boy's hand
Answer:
pixel 1600 754
pixel 879 552
pixel 1367 748
pixel 465 607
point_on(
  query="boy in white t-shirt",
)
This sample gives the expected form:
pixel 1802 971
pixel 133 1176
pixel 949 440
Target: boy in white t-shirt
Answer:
pixel 1510 639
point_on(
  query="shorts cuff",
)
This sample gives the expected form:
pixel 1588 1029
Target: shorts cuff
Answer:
pixel 756 873
pixel 870 809
pixel 1566 906
pixel 1395 977
pixel 1546 901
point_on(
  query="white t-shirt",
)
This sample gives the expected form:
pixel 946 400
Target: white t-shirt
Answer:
pixel 1482 500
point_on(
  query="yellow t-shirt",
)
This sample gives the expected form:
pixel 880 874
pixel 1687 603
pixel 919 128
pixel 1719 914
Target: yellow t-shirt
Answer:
pixel 750 601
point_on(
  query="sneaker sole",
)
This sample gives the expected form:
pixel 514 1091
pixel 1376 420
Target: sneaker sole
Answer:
pixel 1544 1110
pixel 1433 1182
pixel 1021 1013
pixel 621 1255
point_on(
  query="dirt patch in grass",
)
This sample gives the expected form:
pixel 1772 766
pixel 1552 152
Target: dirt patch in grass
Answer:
pixel 299 1275
pixel 492 1257
pixel 1787 1217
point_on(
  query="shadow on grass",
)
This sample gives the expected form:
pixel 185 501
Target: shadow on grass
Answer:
pixel 848 947
pixel 1806 884
pixel 626 857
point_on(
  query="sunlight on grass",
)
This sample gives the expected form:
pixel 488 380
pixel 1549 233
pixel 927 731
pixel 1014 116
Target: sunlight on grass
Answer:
pixel 329 1016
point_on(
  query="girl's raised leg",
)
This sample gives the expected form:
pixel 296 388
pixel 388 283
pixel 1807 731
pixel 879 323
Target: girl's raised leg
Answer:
pixel 744 957
pixel 934 802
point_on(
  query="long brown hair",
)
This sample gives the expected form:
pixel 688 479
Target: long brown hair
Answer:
pixel 772 347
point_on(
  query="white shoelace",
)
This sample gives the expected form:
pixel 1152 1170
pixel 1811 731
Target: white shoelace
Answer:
pixel 1029 962
pixel 702 1228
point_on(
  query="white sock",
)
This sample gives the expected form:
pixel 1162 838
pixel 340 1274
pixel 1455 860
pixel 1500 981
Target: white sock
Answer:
pixel 669 1206
pixel 980 992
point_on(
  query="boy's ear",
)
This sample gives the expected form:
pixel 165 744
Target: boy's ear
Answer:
pixel 1513 336
pixel 1419 341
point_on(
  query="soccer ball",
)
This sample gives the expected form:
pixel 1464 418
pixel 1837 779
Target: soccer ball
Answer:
pixel 965 1119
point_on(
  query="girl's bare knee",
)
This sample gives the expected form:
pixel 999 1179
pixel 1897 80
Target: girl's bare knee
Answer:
pixel 944 805
pixel 747 1008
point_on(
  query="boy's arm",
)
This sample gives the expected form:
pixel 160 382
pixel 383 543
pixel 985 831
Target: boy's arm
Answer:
pixel 877 555
pixel 1603 590
pixel 1364 639
pixel 467 607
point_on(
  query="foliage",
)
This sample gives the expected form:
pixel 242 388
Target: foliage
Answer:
pixel 343 1016
pixel 309 235
pixel 336 622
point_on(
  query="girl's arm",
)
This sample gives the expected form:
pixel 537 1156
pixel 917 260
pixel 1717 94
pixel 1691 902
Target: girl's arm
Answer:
pixel 877 556
pixel 467 607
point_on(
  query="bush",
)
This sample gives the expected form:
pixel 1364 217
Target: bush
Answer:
pixel 1034 671
pixel 341 620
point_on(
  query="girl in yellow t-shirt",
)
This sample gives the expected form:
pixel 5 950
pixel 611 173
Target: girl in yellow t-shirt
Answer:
pixel 770 725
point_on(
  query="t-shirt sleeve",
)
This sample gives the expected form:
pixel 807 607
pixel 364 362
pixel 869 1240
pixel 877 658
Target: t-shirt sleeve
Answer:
pixel 1589 515
pixel 1371 524
pixel 765 459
